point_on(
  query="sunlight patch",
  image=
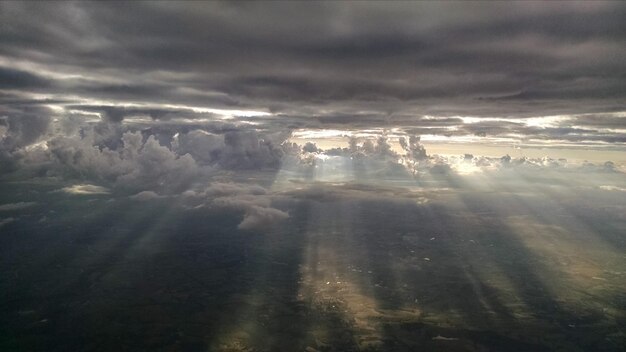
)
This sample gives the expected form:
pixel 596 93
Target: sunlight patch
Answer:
pixel 6 221
pixel 464 168
pixel 421 200
pixel 612 188
pixel 85 189
pixel 320 134
pixel 16 206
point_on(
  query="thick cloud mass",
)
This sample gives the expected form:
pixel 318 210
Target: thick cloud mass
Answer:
pixel 136 164
pixel 153 100
pixel 318 59
pixel 232 150
pixel 253 200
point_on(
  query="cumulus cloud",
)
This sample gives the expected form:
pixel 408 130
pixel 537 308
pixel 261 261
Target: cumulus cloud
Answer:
pixel 23 128
pixel 253 200
pixel 375 158
pixel 257 218
pixel 170 161
pixel 246 150
pixel 506 162
pixel 136 164
pixel 380 66
pixel 258 213
pixel 162 158
pixel 155 165
pixel 81 100
pixel 20 127
pixel 371 158
pixel 236 149
pixel 204 146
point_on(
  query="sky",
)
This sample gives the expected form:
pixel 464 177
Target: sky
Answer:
pixel 477 146
pixel 163 98
pixel 540 73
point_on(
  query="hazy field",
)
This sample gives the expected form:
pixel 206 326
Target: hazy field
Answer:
pixel 470 263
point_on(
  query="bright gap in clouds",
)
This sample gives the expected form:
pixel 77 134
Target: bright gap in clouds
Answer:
pixel 476 145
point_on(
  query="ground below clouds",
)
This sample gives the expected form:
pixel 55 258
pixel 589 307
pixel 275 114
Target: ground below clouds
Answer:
pixel 354 267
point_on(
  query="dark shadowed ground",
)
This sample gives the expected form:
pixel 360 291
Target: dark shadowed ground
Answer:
pixel 354 268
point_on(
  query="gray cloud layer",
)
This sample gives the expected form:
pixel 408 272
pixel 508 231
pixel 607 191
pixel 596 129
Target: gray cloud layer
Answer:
pixel 93 79
pixel 511 59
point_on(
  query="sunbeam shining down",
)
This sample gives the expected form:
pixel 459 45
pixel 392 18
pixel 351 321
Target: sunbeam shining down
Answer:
pixel 312 176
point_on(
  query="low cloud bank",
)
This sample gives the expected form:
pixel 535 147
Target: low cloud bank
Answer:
pixel 153 162
pixel 173 159
pixel 375 158
pixel 133 160
pixel 254 200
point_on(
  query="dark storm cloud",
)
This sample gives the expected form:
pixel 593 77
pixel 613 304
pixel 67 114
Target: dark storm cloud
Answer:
pixel 11 79
pixel 19 127
pixel 23 127
pixel 504 128
pixel 324 60
pixel 344 120
pixel 118 113
pixel 600 121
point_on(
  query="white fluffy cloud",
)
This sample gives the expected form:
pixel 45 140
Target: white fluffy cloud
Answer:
pixel 253 200
pixel 22 129
pixel 237 150
pixel 146 162
pixel 134 165
pixel 18 130
pixel 374 158
pixel 261 218
pixel 172 159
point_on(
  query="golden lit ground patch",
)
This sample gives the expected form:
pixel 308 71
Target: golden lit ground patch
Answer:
pixel 589 270
pixel 329 283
